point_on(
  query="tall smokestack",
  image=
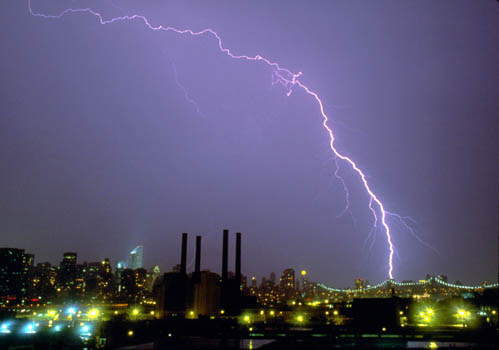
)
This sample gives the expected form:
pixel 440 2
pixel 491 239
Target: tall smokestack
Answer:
pixel 197 270
pixel 183 259
pixel 225 256
pixel 238 259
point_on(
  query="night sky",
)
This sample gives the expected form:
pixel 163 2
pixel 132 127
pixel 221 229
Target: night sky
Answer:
pixel 101 149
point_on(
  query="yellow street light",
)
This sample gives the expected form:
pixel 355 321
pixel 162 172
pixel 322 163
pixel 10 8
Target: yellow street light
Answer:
pixel 93 313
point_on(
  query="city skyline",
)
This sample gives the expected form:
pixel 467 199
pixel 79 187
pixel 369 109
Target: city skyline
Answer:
pixel 256 277
pixel 100 161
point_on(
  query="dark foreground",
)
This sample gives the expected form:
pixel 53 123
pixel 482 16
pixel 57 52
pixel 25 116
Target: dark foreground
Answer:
pixel 228 334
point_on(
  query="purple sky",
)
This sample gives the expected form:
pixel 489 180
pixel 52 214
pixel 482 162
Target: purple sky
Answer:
pixel 101 151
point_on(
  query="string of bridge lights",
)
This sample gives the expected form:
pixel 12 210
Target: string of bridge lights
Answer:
pixel 409 284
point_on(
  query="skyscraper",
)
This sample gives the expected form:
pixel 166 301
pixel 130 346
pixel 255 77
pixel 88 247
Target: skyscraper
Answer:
pixel 67 271
pixel 14 268
pixel 135 258
pixel 287 283
pixel 272 277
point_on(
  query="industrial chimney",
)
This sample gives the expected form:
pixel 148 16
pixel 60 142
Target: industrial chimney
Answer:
pixel 225 256
pixel 197 269
pixel 183 259
pixel 238 259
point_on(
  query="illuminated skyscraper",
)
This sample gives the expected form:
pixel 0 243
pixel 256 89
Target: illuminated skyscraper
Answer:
pixel 304 281
pixel 287 280
pixel 287 283
pixel 135 258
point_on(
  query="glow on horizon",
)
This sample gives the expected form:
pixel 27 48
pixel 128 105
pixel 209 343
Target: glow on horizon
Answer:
pixel 282 76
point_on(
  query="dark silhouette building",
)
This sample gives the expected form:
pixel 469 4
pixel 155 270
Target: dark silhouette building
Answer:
pixel 378 314
pixel 231 296
pixel 176 288
pixel 67 273
pixel 43 280
pixel 15 266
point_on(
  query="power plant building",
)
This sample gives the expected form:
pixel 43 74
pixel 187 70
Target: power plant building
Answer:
pixel 202 293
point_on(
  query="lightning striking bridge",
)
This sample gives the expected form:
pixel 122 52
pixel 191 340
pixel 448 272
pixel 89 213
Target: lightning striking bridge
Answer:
pixel 283 76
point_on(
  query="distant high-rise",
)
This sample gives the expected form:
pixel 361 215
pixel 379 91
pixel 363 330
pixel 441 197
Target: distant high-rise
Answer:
pixel 359 283
pixel 288 279
pixel 14 268
pixel 67 271
pixel 287 282
pixel 121 265
pixel 272 277
pixel 135 258
pixel 43 280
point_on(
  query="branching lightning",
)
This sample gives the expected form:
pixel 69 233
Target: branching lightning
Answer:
pixel 345 189
pixel 186 93
pixel 282 76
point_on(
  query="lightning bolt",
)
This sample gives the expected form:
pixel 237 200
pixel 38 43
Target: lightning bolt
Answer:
pixel 345 189
pixel 186 93
pixel 281 76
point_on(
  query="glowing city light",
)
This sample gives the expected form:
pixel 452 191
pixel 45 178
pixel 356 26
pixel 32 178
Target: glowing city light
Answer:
pixel 30 328
pixel 4 329
pixel 85 330
pixel 93 313
pixel 463 315
pixel 282 76
pixel 426 316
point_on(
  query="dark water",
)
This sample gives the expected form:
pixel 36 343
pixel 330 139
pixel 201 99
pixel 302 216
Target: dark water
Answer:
pixel 271 344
